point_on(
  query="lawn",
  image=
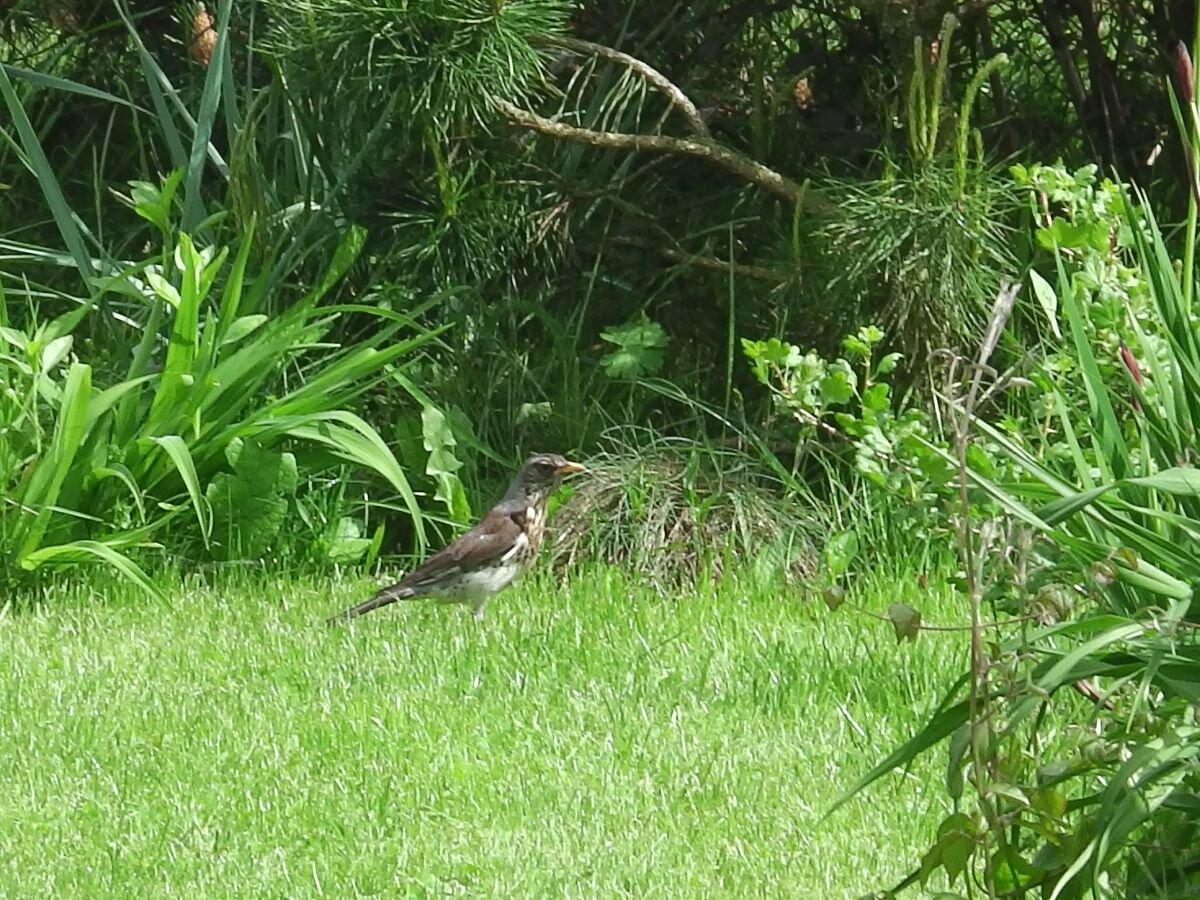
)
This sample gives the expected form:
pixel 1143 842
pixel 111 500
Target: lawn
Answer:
pixel 589 741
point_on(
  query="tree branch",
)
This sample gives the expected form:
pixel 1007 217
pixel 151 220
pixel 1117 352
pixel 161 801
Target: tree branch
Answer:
pixel 672 92
pixel 705 262
pixel 700 148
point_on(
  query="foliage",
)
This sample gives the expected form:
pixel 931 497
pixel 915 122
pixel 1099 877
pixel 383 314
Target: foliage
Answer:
pixel 439 440
pixel 123 459
pixel 249 504
pixel 330 165
pixel 1079 219
pixel 933 253
pixel 846 412
pixel 1115 408
pixel 1113 522
pixel 305 118
pixel 935 231
pixel 638 349
pixel 445 58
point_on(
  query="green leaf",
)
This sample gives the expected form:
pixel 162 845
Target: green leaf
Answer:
pixel 631 363
pixel 1048 300
pixel 373 548
pixel 956 851
pixel 231 296
pixel 163 288
pixel 443 465
pixel 346 545
pixel 1009 792
pixel 53 82
pixel 154 203
pixel 348 250
pixel 242 327
pixel 1183 481
pixel 177 450
pixel 39 165
pixel 639 349
pixel 888 363
pixel 906 621
pixel 17 338
pixel 955 843
pixel 834 596
pixel 772 352
pixel 51 469
pixel 1105 427
pixel 534 412
pixel 870 335
pixel 856 347
pixel 875 398
pixel 56 351
pixel 839 553
pixel 1050 802
pixel 1011 871
pixel 836 388
pixel 179 366
pixel 1074 235
pixel 249 506
pixel 123 475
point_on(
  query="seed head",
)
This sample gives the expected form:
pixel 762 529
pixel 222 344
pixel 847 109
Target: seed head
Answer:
pixel 204 35
pixel 1185 76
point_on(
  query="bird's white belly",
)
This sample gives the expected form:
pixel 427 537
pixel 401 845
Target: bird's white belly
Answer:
pixel 482 583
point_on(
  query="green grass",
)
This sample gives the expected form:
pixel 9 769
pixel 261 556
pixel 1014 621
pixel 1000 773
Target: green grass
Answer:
pixel 586 742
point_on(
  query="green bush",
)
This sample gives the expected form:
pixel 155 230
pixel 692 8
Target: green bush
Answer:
pixel 97 466
pixel 1093 536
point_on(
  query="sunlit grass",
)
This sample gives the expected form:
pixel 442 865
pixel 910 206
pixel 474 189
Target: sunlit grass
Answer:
pixel 591 741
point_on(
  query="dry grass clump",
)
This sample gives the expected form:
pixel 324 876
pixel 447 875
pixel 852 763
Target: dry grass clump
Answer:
pixel 679 511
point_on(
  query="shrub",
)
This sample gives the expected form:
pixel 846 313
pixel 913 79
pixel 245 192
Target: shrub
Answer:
pixel 1095 544
pixel 197 426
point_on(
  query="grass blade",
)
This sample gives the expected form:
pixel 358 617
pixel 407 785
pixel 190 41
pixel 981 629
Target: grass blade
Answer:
pixel 64 218
pixel 53 82
pixel 177 450
pixel 210 98
pixel 55 464
pixel 120 563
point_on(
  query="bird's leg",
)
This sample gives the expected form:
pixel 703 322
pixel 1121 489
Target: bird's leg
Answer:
pixel 477 609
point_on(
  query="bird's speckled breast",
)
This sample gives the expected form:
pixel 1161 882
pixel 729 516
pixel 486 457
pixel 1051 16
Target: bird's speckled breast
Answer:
pixel 535 526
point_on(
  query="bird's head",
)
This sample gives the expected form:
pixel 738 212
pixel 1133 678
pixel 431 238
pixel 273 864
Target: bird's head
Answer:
pixel 541 474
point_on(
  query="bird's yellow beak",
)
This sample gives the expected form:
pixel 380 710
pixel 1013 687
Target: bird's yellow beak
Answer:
pixel 570 468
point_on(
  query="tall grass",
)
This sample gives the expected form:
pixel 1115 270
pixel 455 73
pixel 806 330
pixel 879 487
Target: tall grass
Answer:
pixel 160 434
pixel 202 351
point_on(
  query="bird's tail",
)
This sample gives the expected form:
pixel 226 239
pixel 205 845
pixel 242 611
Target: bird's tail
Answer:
pixel 383 598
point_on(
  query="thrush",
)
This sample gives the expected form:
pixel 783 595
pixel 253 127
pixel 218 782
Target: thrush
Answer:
pixel 489 557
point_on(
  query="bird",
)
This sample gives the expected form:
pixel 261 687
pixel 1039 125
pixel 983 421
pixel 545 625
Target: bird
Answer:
pixel 488 558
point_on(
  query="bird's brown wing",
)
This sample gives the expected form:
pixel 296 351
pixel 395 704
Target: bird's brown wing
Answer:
pixel 485 543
